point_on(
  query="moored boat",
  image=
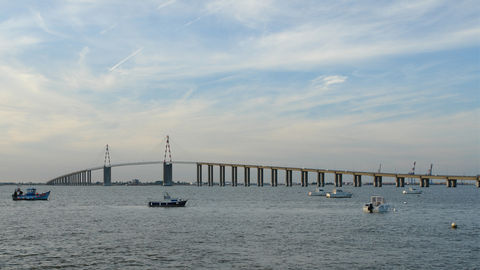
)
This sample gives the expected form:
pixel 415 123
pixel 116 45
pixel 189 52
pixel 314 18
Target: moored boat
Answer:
pixel 377 204
pixel 30 195
pixel 412 191
pixel 338 193
pixel 317 192
pixel 168 202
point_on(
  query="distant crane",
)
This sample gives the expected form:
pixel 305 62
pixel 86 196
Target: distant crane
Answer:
pixel 412 172
pixel 430 170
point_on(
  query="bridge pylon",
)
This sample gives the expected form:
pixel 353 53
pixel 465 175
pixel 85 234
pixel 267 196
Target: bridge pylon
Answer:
pixel 107 170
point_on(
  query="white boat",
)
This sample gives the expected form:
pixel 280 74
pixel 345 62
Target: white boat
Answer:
pixel 338 193
pixel 377 204
pixel 317 192
pixel 412 191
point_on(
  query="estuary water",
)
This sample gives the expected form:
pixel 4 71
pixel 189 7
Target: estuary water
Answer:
pixel 267 227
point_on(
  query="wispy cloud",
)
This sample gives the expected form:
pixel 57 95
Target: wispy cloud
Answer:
pixel 43 25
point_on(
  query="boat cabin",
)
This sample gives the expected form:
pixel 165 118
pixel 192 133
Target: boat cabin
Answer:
pixel 377 200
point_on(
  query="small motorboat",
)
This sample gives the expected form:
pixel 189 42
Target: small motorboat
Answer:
pixel 31 195
pixel 412 191
pixel 317 192
pixel 168 202
pixel 377 204
pixel 338 193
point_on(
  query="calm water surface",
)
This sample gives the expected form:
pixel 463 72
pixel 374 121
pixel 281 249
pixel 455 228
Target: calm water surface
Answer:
pixel 239 228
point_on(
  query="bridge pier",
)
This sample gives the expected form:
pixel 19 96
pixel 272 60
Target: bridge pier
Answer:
pixel 259 177
pixel 400 181
pixel 167 174
pixel 273 181
pixel 320 179
pixel 338 180
pixel 304 178
pixel 107 176
pixel 210 175
pixel 199 174
pixel 452 182
pixel 222 176
pixel 288 178
pixel 247 177
pixel 478 183
pixel 377 181
pixel 424 182
pixel 234 176
pixel 357 180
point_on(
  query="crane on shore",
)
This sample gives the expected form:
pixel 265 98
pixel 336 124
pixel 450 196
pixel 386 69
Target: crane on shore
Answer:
pixel 412 172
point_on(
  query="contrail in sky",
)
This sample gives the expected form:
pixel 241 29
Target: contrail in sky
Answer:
pixel 166 4
pixel 125 59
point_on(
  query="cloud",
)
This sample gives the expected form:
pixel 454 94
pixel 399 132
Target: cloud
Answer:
pixel 325 81
pixel 43 25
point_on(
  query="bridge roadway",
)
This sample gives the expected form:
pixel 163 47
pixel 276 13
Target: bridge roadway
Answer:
pixel 83 177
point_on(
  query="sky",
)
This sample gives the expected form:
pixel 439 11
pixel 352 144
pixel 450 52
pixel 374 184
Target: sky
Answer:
pixel 319 84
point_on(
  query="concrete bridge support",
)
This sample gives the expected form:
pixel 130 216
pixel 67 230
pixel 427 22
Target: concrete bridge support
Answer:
pixel 452 182
pixel 107 176
pixel 478 183
pixel 247 176
pixel 260 177
pixel 377 181
pixel 400 181
pixel 274 178
pixel 338 180
pixel 320 179
pixel 222 176
pixel 234 176
pixel 167 174
pixel 199 175
pixel 210 175
pixel 288 178
pixel 357 180
pixel 304 178
pixel 424 182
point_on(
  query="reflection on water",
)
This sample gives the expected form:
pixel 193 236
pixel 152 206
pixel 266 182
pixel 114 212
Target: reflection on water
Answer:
pixel 239 227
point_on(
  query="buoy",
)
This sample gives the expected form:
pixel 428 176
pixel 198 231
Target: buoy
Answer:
pixel 454 225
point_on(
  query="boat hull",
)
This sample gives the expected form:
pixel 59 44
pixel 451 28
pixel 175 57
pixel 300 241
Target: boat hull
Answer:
pixel 412 192
pixel 338 196
pixel 180 203
pixel 332 195
pixel 376 209
pixel 32 197
pixel 315 193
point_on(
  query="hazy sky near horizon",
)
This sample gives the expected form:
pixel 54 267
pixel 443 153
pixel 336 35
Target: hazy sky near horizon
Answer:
pixel 323 84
